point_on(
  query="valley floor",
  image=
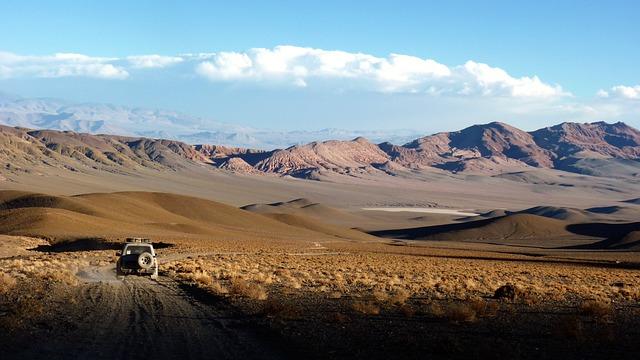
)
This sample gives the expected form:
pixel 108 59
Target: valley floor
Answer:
pixel 302 271
pixel 339 299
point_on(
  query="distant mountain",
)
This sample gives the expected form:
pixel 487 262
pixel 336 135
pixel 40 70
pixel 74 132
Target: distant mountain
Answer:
pixel 60 115
pixel 479 147
pixel 599 149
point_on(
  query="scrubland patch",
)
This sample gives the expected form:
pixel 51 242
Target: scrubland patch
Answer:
pixel 596 308
pixel 366 307
pixel 393 280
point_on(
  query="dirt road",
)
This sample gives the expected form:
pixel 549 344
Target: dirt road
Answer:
pixel 139 318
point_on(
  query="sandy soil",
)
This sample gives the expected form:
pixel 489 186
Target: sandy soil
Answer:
pixel 136 317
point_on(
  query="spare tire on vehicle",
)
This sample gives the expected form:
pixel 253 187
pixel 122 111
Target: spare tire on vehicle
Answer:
pixel 145 260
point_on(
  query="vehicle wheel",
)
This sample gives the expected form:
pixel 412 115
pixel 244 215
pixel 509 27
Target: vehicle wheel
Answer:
pixel 145 260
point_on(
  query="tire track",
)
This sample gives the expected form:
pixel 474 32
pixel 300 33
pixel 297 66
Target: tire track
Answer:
pixel 139 318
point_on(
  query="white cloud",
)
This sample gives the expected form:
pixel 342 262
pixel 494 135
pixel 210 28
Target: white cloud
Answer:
pixel 495 81
pixel 227 66
pixel 304 67
pixel 153 61
pixel 59 65
pixel 395 73
pixel 621 92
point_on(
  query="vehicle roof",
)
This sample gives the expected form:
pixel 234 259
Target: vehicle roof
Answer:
pixel 138 244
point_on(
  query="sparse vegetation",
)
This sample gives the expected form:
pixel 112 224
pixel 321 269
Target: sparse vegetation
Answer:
pixel 595 308
pixel 366 307
pixel 461 312
pixel 394 279
pixel 248 289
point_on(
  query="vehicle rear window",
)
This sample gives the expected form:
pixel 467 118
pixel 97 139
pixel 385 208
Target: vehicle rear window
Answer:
pixel 136 250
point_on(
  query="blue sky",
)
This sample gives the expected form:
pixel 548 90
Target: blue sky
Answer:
pixel 563 60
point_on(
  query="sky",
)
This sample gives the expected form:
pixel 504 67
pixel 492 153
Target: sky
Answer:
pixel 296 65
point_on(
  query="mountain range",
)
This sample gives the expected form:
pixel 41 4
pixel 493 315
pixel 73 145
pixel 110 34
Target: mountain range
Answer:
pixel 54 114
pixel 599 149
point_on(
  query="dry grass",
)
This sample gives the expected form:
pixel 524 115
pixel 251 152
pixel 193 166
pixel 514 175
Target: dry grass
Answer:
pixel 484 308
pixel 366 307
pixel 435 310
pixel 399 297
pixel 248 289
pixel 461 313
pixel 7 283
pixel 396 278
pixel 280 309
pixel 595 308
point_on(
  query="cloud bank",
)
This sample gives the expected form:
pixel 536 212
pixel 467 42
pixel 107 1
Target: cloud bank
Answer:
pixel 299 67
pixel 433 84
pixel 621 92
pixel 396 73
pixel 59 65
pixel 153 61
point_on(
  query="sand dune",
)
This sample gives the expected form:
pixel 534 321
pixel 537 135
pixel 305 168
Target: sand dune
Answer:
pixel 544 227
pixel 156 215
pixel 307 208
pixel 561 213
pixel 513 229
pixel 311 224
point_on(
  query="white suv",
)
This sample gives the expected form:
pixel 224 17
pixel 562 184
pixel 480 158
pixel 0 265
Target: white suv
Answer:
pixel 137 257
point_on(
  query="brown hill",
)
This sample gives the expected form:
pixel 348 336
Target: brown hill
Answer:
pixel 560 213
pixel 343 157
pixel 317 226
pixel 597 139
pixel 493 140
pixel 157 215
pixel 513 229
pixel 598 149
pixel 27 150
pixel 510 227
pixel 306 208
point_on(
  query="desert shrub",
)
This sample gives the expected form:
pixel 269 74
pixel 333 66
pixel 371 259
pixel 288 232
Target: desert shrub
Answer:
pixel 272 307
pixel 380 295
pixel 435 309
pixel 24 304
pixel 248 289
pixel 217 288
pixel 508 291
pixel 461 313
pixel 399 297
pixel 483 308
pixel 366 307
pixel 595 308
pixel 7 283
pixel 202 278
pixel 407 310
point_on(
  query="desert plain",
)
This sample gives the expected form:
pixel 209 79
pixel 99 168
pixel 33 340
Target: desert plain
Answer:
pixel 500 258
